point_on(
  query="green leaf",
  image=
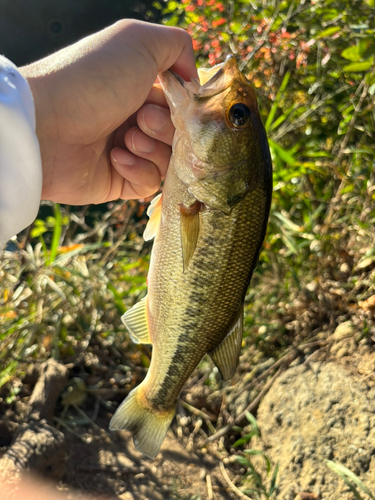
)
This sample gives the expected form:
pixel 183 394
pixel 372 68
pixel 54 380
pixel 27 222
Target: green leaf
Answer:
pixel 278 122
pixel 37 231
pixel 171 7
pixel 117 298
pixel 343 472
pixel 352 54
pixel 367 151
pixel 253 452
pixel 275 104
pixel 173 21
pixel 366 47
pixel 6 374
pixel 86 248
pixel 39 222
pixel 236 28
pixel 261 454
pixel 246 438
pixel 56 233
pixel 242 460
pixel 290 243
pixel 329 31
pixel 273 480
pixel 283 154
pixel 360 66
pixel 250 418
pixel 317 154
pixel 287 222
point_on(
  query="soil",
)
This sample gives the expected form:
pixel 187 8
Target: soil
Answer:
pixel 320 406
pixel 120 470
pixel 90 459
pixel 109 466
pixel 319 411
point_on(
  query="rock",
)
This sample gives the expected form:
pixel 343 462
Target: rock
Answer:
pixel 341 353
pixel 344 268
pixel 123 461
pixel 309 416
pixel 343 330
pixel 126 496
pixel 344 347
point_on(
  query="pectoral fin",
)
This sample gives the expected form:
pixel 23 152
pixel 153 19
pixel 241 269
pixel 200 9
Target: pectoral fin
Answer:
pixel 226 355
pixel 189 224
pixel 154 212
pixel 135 320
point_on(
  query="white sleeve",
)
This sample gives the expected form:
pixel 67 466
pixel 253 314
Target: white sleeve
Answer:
pixel 20 161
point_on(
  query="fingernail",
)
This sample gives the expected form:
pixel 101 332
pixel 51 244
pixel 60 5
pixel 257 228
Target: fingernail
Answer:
pixel 155 117
pixel 122 157
pixel 142 142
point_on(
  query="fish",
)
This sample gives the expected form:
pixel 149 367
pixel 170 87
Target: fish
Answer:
pixel 208 226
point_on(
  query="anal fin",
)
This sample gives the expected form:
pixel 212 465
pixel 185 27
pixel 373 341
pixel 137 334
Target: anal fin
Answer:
pixel 135 320
pixel 189 224
pixel 227 353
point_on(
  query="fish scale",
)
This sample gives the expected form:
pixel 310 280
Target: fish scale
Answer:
pixel 209 226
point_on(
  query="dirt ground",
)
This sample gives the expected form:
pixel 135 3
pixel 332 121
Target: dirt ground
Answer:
pixel 121 471
pixel 320 412
pixel 318 404
pixel 108 466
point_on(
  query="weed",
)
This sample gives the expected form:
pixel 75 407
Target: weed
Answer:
pixel 260 475
pixel 350 479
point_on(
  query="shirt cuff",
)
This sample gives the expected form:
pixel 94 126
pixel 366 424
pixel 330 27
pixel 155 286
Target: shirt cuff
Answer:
pixel 20 160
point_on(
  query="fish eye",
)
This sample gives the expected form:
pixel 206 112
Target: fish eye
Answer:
pixel 239 115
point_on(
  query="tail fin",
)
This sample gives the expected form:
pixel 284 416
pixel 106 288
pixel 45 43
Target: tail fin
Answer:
pixel 149 426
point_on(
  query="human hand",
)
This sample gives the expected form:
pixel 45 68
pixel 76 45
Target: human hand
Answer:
pixel 99 140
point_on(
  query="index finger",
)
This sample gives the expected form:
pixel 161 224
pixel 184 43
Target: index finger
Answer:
pixel 156 96
pixel 171 48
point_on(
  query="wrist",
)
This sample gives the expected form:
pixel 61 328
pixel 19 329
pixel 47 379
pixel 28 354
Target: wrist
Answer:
pixel 45 127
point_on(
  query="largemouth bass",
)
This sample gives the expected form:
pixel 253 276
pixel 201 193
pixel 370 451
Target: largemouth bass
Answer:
pixel 209 225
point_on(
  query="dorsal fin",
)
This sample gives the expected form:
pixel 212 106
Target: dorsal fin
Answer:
pixel 154 212
pixel 226 354
pixel 189 226
pixel 135 320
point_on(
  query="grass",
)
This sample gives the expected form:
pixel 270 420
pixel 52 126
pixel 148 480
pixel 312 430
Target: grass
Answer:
pixel 351 480
pixel 57 293
pixel 66 286
pixel 260 476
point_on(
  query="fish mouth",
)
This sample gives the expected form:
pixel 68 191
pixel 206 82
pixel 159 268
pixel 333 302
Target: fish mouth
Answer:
pixel 220 79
